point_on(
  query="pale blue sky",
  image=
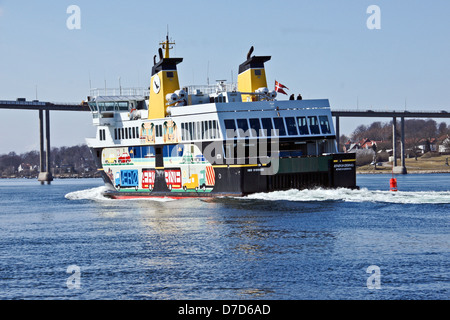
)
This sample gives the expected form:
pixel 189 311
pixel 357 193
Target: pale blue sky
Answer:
pixel 322 49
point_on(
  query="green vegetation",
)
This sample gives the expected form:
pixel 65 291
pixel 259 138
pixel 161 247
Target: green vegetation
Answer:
pixel 427 146
pixel 66 162
pixel 428 163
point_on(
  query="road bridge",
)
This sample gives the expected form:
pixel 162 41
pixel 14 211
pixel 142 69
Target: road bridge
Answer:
pixel 46 107
pixel 394 115
pixel 43 107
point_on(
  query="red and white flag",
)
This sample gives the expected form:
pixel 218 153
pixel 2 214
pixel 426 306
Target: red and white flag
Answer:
pixel 279 87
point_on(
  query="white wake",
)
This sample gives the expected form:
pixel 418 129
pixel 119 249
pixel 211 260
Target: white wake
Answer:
pixel 96 194
pixel 362 195
pixel 88 194
pixel 345 195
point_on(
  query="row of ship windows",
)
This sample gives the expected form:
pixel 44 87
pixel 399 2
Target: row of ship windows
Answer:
pixel 200 130
pixel 282 126
pixel 126 133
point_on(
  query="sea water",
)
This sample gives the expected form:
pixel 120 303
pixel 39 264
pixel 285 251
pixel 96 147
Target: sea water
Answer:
pixel 66 241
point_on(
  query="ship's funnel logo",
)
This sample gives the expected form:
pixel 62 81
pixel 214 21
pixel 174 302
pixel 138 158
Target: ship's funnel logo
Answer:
pixel 156 84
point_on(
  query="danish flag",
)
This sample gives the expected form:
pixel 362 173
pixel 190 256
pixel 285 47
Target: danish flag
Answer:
pixel 279 87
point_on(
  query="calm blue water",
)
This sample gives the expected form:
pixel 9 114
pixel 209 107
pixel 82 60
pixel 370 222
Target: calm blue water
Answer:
pixel 312 244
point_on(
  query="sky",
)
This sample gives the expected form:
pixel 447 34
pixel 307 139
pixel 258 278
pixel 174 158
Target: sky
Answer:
pixel 321 49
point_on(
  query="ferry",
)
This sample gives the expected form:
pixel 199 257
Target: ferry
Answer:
pixel 213 140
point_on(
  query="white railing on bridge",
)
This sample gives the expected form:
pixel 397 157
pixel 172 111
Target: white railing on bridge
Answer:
pixel 135 91
pixel 23 102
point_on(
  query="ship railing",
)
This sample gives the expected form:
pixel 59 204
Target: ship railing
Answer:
pixel 212 88
pixel 133 91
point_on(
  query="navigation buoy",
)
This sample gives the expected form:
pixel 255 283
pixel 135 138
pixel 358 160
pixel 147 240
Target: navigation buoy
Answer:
pixel 393 184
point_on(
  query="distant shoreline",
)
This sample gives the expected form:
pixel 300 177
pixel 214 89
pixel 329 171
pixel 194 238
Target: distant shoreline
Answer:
pixel 409 172
pixel 386 172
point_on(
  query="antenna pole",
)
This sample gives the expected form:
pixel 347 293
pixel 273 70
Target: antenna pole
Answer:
pixel 207 75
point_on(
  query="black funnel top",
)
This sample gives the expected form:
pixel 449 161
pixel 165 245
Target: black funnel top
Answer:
pixel 166 64
pixel 254 62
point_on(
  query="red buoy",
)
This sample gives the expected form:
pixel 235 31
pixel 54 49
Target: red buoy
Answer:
pixel 393 184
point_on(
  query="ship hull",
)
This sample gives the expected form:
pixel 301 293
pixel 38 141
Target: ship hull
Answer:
pixel 170 177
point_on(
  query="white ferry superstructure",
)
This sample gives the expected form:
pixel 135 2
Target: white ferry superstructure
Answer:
pixel 221 140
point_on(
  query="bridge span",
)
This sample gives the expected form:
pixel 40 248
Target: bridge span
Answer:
pixel 46 107
pixel 45 174
pixel 394 115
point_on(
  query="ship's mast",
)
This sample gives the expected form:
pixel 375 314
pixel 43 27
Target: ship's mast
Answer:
pixel 166 45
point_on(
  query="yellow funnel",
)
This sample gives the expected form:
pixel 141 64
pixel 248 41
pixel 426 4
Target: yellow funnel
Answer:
pixel 252 75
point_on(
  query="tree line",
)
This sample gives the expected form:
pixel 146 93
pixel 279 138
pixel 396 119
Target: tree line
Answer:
pixel 76 160
pixel 416 131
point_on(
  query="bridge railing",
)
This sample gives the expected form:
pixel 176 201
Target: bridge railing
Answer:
pixel 22 102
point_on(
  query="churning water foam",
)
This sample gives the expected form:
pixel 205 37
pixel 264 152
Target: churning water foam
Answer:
pixel 345 195
pixel 96 194
pixel 362 195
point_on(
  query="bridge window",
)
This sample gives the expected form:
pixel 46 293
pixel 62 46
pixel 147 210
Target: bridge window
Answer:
pixel 108 106
pixel 313 125
pixel 279 125
pixel 291 126
pixel 230 128
pixel 267 126
pixel 324 124
pixel 242 125
pixel 302 125
pixel 93 106
pixel 115 133
pixel 256 126
pixel 122 106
